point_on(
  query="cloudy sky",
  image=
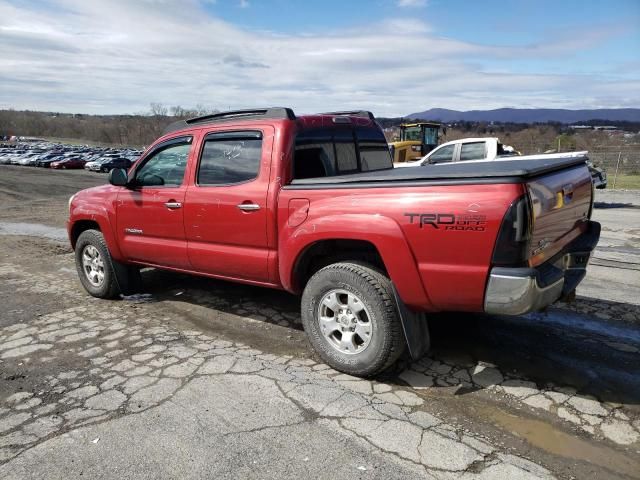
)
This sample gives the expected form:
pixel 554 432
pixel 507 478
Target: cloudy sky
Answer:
pixel 393 57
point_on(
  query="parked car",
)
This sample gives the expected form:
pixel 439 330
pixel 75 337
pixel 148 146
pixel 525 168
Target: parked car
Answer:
pixel 68 163
pixel 112 163
pixel 46 162
pixel 312 205
pixel 16 156
pixel 94 165
pixel 29 159
pixel 5 158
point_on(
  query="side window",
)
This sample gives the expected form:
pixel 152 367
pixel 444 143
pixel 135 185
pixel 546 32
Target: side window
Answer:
pixel 230 157
pixel 325 152
pixel 430 136
pixel 314 155
pixel 473 151
pixel 442 154
pixel 165 167
pixel 374 151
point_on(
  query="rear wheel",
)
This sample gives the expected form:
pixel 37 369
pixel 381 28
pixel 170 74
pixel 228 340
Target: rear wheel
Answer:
pixel 351 319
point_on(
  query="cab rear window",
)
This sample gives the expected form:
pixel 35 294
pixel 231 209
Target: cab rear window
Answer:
pixel 330 151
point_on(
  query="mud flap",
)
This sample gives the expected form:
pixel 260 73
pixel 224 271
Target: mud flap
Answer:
pixel 128 278
pixel 415 327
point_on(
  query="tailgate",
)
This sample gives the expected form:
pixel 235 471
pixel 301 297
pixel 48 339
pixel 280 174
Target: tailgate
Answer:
pixel 561 205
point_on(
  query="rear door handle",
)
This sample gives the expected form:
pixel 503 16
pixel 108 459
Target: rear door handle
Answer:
pixel 173 205
pixel 248 207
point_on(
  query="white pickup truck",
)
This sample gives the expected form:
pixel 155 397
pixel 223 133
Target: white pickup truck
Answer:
pixel 464 150
pixel 487 149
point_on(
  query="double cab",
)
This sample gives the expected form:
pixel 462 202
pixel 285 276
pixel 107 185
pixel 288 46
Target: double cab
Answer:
pixel 312 205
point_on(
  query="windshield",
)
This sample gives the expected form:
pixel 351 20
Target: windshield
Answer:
pixel 411 133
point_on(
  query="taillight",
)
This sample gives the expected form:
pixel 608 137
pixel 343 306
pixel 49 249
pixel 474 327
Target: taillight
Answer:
pixel 512 245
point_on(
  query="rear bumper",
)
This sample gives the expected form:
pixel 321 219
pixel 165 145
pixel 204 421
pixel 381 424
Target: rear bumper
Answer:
pixel 516 291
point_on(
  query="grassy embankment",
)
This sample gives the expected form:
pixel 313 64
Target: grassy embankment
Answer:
pixel 629 182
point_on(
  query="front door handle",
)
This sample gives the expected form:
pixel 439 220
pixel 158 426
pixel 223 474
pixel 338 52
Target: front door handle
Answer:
pixel 248 207
pixel 173 205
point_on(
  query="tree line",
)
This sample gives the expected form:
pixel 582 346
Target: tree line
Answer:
pixel 142 129
pixel 130 130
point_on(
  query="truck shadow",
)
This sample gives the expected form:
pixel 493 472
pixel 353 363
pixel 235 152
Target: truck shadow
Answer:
pixel 606 205
pixel 557 348
pixel 263 304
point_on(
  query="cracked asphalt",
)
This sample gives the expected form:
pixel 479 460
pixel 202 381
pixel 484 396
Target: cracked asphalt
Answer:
pixel 197 378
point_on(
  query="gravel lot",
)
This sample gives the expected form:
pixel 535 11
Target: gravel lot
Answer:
pixel 197 378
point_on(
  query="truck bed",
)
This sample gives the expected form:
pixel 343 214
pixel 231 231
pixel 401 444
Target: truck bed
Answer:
pixel 507 171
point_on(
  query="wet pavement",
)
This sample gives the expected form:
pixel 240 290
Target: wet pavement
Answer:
pixel 199 378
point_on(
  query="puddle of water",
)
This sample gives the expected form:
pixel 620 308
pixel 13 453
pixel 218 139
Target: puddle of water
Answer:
pixel 34 230
pixel 546 437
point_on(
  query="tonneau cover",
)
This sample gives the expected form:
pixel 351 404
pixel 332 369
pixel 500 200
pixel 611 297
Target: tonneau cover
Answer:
pixel 519 169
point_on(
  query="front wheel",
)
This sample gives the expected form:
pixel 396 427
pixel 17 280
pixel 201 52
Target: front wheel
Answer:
pixel 351 319
pixel 94 266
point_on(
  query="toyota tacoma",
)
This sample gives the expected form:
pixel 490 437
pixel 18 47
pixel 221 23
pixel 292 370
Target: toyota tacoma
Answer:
pixel 312 205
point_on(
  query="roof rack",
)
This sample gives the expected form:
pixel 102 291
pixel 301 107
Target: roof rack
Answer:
pixel 352 113
pixel 251 114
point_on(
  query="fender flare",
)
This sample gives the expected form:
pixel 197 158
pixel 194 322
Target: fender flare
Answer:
pixel 99 215
pixel 382 232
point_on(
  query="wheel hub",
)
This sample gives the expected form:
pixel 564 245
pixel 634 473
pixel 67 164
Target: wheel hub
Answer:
pixel 345 321
pixel 93 265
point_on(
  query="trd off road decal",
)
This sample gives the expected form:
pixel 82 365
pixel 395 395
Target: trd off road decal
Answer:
pixel 450 221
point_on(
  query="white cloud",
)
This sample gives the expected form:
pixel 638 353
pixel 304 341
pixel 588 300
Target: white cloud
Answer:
pixel 118 56
pixel 411 3
pixel 244 4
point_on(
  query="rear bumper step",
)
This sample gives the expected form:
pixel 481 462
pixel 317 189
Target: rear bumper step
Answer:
pixel 516 291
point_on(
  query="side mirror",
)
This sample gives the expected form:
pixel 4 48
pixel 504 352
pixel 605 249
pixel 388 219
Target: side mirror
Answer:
pixel 118 177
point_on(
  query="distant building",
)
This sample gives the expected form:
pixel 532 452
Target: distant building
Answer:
pixel 606 128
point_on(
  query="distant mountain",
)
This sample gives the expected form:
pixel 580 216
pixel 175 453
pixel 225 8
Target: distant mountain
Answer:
pixel 530 115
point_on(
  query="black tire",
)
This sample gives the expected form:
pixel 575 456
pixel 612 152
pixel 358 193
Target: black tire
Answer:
pixel 374 290
pixel 109 287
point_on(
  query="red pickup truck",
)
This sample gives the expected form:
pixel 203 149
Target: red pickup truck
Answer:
pixel 312 205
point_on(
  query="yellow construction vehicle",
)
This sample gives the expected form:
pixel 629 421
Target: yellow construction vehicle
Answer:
pixel 416 140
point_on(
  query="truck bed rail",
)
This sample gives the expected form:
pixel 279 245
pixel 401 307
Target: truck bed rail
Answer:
pixel 520 170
